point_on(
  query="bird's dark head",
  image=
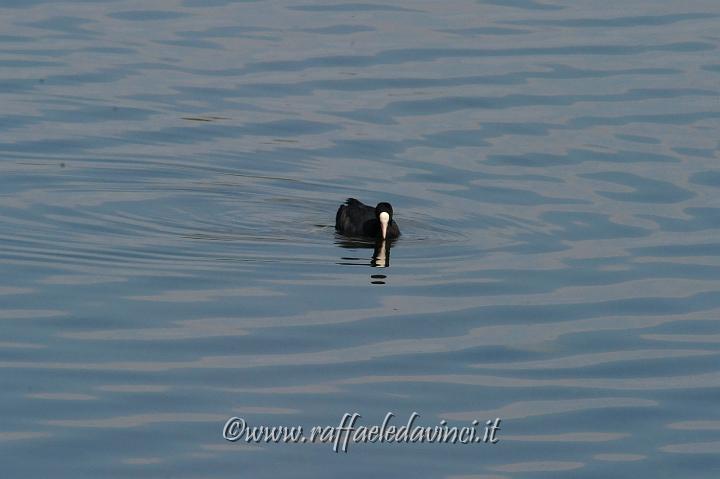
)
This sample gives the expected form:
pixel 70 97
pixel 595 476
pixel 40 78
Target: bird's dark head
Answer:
pixel 383 213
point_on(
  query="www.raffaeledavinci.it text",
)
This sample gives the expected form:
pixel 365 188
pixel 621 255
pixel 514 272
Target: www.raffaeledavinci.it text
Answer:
pixel 236 429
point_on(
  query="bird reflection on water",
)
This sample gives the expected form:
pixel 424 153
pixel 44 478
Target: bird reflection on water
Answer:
pixel 380 257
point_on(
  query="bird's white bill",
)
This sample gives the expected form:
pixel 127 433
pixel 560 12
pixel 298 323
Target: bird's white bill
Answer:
pixel 384 220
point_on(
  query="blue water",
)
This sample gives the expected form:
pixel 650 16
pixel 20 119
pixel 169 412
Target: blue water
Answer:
pixel 169 176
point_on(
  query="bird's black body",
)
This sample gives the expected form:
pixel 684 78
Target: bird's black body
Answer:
pixel 358 220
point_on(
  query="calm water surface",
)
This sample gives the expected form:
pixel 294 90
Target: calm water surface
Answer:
pixel 169 175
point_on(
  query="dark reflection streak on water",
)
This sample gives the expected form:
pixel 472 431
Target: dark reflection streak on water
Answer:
pixel 372 83
pixel 400 56
pixel 626 21
pixel 548 70
pixel 435 106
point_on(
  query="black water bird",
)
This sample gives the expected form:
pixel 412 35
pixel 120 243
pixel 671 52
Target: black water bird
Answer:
pixel 358 220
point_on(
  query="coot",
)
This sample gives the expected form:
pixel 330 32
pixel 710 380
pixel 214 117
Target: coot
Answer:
pixel 356 219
